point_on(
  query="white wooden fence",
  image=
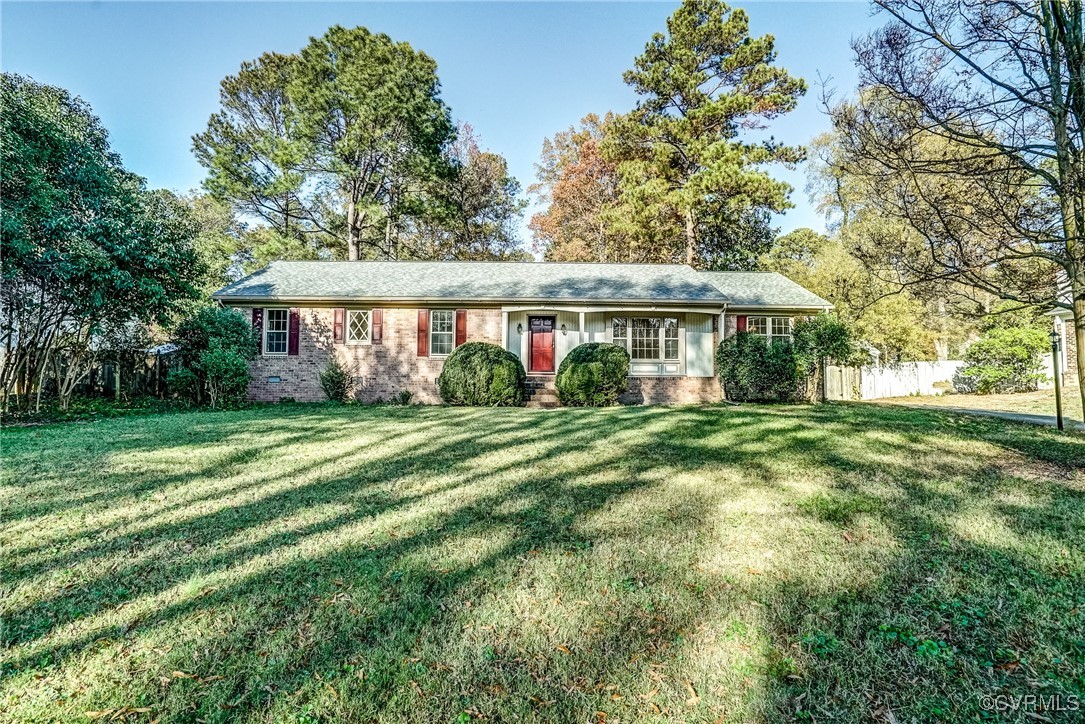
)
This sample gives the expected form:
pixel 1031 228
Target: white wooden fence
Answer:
pixel 894 380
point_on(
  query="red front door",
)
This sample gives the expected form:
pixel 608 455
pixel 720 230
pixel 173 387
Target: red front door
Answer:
pixel 542 344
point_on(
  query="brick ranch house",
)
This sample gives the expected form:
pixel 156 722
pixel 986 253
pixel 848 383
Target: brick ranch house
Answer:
pixel 394 322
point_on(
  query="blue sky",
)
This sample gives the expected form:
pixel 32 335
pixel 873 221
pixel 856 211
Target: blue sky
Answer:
pixel 517 72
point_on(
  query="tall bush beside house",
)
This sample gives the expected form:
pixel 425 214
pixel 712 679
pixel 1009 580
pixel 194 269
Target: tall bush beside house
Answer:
pixel 823 340
pixel 1004 359
pixel 216 347
pixel 478 374
pixel 740 360
pixel 752 370
pixel 593 375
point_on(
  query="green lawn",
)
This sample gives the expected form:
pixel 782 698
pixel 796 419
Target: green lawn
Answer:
pixel 1040 402
pixel 311 564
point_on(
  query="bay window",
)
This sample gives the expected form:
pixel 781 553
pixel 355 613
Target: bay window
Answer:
pixel 647 338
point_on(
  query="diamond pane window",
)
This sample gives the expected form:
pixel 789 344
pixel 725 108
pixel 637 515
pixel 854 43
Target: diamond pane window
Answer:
pixel 358 326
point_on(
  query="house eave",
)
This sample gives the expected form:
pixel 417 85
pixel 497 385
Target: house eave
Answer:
pixel 739 308
pixel 533 302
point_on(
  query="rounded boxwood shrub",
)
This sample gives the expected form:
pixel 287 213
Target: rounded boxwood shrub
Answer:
pixel 593 375
pixel 482 375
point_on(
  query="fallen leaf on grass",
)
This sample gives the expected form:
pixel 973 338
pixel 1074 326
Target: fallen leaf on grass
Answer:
pixel 563 649
pixel 693 697
pixel 117 714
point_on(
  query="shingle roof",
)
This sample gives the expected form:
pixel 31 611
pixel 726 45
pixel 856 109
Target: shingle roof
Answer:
pixel 458 280
pixel 763 289
pixel 516 281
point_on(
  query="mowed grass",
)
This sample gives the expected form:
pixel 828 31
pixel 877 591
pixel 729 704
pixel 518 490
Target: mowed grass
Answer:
pixel 1040 402
pixel 312 564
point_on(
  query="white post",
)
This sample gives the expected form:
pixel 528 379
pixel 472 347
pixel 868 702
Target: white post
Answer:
pixel 505 330
pixel 582 332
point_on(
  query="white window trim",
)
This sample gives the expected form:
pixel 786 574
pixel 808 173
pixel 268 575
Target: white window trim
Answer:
pixel 768 335
pixel 430 332
pixel 627 341
pixel 266 329
pixel 346 327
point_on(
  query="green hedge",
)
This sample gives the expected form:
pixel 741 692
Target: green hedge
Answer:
pixel 593 375
pixel 752 370
pixel 482 375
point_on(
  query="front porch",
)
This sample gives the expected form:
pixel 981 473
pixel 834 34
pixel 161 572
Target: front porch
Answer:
pixel 675 343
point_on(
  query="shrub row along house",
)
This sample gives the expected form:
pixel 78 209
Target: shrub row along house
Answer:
pixel 394 322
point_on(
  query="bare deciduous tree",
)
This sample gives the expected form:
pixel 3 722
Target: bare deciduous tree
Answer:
pixel 970 123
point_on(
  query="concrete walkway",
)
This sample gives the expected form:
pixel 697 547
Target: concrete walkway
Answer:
pixel 1045 420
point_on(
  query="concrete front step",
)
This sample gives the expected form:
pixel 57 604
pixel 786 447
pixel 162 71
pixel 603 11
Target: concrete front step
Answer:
pixel 541 392
pixel 542 395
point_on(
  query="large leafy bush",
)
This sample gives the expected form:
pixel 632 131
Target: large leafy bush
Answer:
pixel 593 375
pixel 483 375
pixel 216 347
pixel 753 370
pixel 1004 359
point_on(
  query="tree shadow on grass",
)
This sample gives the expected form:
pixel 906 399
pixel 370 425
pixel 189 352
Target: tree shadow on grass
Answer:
pixel 545 565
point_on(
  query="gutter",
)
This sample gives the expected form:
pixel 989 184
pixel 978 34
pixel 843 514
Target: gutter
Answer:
pixel 534 302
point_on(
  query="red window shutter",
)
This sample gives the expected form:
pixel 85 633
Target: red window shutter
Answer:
pixel 461 326
pixel 258 327
pixel 740 322
pixel 376 334
pixel 339 325
pixel 423 332
pixel 294 333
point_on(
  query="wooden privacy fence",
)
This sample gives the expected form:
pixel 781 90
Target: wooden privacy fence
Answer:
pixel 895 380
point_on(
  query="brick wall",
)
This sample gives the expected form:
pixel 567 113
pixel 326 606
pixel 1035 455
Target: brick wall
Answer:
pixel 381 371
pixel 672 391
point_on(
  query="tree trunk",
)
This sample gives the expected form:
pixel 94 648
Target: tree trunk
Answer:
pixel 388 238
pixel 352 232
pixel 1077 290
pixel 691 237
